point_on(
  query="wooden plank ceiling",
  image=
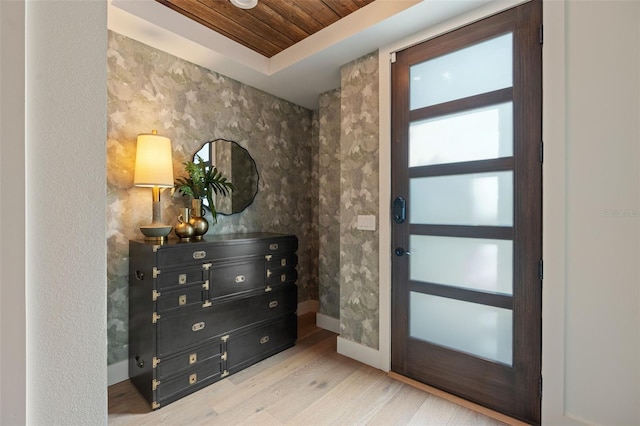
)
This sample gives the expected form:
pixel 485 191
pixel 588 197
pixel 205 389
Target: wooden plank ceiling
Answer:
pixel 270 27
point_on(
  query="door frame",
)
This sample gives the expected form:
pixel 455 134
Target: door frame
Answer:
pixel 511 388
pixel 384 57
pixel 554 68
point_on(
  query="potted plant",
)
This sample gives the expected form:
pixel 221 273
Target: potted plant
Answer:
pixel 201 183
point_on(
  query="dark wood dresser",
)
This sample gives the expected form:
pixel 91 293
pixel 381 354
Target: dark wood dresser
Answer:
pixel 199 311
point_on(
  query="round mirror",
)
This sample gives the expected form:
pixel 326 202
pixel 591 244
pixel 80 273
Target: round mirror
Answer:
pixel 235 163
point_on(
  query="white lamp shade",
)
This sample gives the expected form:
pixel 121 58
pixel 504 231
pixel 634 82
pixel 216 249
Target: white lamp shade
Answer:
pixel 154 163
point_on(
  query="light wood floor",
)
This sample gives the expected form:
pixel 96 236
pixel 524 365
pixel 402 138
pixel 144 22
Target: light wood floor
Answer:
pixel 309 384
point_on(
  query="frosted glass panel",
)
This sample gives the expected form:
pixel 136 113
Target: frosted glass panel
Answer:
pixel 476 69
pixel 471 199
pixel 479 134
pixel 473 263
pixel 483 331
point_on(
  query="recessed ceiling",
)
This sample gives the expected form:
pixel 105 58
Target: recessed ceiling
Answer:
pixel 299 73
pixel 272 25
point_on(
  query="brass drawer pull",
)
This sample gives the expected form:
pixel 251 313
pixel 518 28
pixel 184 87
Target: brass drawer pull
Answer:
pixel 273 304
pixel 197 326
pixel 264 340
pixel 283 277
pixel 182 279
pixel 273 246
pixel 240 279
pixel 199 254
pixel 283 262
pixel 193 358
pixel 193 378
pixel 182 300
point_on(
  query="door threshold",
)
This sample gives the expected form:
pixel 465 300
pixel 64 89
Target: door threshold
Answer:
pixel 457 400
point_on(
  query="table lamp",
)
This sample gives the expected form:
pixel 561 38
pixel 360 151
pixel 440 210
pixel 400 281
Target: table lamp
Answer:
pixel 154 169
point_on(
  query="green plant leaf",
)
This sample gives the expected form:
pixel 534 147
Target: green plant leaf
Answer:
pixel 203 182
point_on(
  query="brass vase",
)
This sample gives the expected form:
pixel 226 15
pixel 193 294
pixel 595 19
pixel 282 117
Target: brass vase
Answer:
pixel 184 230
pixel 199 223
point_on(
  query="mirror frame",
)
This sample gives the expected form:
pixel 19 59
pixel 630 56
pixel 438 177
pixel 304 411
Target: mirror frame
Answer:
pixel 253 162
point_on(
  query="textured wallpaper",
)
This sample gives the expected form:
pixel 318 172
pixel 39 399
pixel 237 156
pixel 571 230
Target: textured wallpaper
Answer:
pixel 359 283
pixel 149 89
pixel 329 204
pixel 315 204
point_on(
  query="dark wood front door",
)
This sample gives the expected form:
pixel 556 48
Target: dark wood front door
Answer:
pixel 467 230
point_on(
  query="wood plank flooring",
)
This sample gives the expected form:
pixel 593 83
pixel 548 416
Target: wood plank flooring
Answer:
pixel 309 384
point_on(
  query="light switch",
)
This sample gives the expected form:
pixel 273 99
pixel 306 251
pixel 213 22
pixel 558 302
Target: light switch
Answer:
pixel 366 222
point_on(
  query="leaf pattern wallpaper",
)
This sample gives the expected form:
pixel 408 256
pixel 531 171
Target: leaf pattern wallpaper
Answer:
pixel 329 204
pixel 348 187
pixel 359 261
pixel 317 172
pixel 150 89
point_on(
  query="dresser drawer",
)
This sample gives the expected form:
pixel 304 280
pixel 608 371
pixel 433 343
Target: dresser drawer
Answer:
pixel 276 264
pixel 204 252
pixel 283 277
pixel 238 277
pixel 192 253
pixel 206 371
pixel 188 360
pixel 188 329
pixel 268 305
pixel 259 342
pixel 278 246
pixel 169 279
pixel 192 296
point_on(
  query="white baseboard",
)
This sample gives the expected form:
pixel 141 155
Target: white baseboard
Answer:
pixel 308 306
pixel 118 372
pixel 328 323
pixel 361 353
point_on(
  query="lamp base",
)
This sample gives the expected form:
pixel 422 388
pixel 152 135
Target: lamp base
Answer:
pixel 153 232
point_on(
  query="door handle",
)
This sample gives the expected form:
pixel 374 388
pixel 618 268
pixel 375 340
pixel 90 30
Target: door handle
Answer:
pixel 399 210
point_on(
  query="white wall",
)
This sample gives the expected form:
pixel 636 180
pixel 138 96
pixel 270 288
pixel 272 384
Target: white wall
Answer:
pixel 65 212
pixel 591 336
pixel 12 207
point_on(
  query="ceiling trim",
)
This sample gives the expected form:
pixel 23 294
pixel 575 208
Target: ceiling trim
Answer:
pixel 347 27
pixel 298 74
pixel 157 25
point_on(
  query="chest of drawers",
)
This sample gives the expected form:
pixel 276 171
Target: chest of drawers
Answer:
pixel 199 311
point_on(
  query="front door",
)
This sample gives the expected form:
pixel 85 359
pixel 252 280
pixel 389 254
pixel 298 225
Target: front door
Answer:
pixel 467 217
